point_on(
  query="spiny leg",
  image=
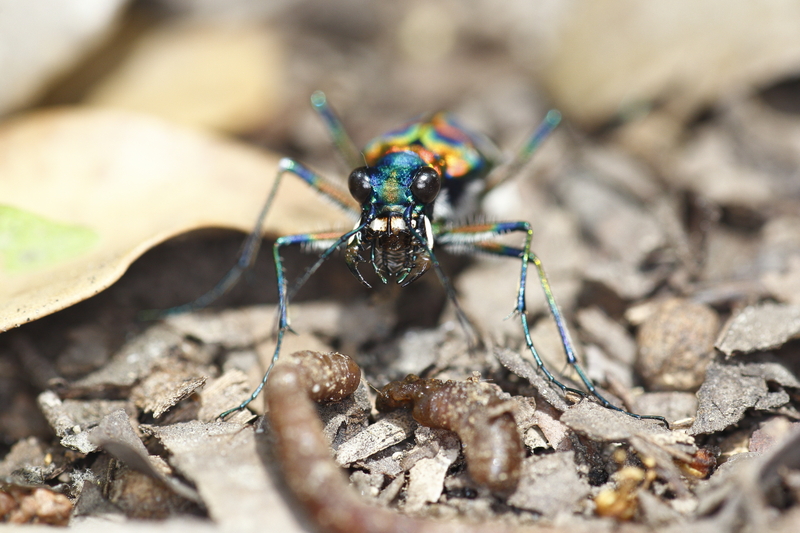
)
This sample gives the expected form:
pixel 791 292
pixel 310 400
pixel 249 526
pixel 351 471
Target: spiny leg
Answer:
pixel 466 325
pixel 464 237
pixel 352 156
pixel 283 297
pixel 252 243
pixel 503 173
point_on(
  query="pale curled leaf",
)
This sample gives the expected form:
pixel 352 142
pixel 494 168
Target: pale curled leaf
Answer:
pixel 117 184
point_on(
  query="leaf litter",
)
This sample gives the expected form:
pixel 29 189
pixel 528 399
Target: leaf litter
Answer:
pixel 709 222
pixel 169 378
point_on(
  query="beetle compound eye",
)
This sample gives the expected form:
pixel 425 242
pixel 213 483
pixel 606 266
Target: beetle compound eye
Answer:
pixel 426 185
pixel 360 185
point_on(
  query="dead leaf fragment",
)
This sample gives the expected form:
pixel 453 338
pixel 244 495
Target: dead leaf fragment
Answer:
pixel 623 227
pixel 346 418
pixel 135 360
pixel 223 462
pixel 75 421
pixel 609 334
pixel 514 362
pixel 673 406
pixel 550 484
pixel 712 167
pixel 388 431
pixel 230 328
pixel 116 436
pixel 751 486
pixel 163 389
pixel 222 393
pixel 731 389
pixel 599 423
pixel 27 453
pixel 760 327
pixel 770 433
pixel 426 477
pixel 649 438
pixel 785 286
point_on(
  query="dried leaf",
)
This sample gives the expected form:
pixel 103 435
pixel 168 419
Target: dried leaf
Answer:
pixel 673 406
pixel 388 431
pixel 550 484
pixel 600 423
pixel 525 369
pixel 785 286
pixel 770 433
pixel 648 438
pixel 163 389
pixel 760 327
pixel 116 436
pixel 426 477
pixel 609 334
pixel 749 487
pixel 621 226
pixel 231 388
pixel 222 461
pixel 711 167
pixel 346 418
pixel 75 421
pixel 87 192
pixel 135 360
pixel 731 389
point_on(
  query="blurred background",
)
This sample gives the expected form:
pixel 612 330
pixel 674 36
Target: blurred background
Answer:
pixel 246 67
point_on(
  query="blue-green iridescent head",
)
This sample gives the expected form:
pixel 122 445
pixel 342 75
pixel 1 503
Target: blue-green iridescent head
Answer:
pixel 396 197
pixel 399 180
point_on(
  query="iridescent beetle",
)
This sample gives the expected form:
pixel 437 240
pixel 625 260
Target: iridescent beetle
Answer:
pixel 412 184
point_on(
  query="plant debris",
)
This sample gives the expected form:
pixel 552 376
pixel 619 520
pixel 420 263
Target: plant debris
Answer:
pixel 476 412
pixel 551 485
pixel 731 389
pixel 664 205
pixel 761 327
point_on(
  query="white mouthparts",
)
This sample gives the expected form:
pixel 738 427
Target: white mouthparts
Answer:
pixel 391 223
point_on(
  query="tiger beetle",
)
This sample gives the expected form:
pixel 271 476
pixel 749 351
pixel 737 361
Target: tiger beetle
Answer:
pixel 411 184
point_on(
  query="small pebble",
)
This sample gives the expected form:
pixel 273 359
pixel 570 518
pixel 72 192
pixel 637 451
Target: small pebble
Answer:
pixel 676 344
